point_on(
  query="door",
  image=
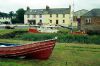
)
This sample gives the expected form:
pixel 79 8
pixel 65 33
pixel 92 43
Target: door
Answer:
pixel 34 22
pixel 57 22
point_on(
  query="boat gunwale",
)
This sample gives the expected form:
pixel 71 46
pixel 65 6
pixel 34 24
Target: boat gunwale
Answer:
pixel 28 43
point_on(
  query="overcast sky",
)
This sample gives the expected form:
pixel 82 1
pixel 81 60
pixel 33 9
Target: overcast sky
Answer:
pixel 13 5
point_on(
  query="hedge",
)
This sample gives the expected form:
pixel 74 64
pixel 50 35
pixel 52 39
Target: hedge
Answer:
pixel 63 38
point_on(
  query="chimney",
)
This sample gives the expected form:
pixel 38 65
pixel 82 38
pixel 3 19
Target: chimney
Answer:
pixel 47 7
pixel 69 6
pixel 28 8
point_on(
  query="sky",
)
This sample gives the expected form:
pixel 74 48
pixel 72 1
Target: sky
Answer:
pixel 13 5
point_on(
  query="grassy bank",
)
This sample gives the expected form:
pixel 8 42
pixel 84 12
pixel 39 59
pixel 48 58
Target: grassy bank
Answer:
pixel 65 54
pixel 14 41
pixel 62 38
pixel 6 31
pixel 23 34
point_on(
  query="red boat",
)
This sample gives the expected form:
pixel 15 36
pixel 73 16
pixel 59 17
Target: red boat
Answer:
pixel 38 50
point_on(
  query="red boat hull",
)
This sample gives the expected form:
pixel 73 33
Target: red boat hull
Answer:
pixel 38 50
pixel 33 30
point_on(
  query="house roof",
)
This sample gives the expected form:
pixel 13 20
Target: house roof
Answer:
pixel 49 11
pixel 93 13
pixel 4 14
pixel 80 12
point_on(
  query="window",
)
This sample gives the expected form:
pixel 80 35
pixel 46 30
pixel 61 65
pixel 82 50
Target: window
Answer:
pixel 63 15
pixel 56 15
pixel 63 21
pixel 41 21
pixel 50 15
pixel 28 16
pixel 40 15
pixel 88 21
pixel 50 21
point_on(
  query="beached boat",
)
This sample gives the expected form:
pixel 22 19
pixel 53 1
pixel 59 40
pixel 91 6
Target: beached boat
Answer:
pixel 38 50
pixel 43 29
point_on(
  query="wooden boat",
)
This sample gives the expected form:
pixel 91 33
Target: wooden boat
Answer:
pixel 43 29
pixel 38 50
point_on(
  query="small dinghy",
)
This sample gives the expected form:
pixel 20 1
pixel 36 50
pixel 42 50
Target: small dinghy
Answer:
pixel 38 50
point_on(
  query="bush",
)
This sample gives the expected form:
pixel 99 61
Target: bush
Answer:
pixel 35 37
pixel 63 38
pixel 91 32
pixel 63 30
pixel 12 34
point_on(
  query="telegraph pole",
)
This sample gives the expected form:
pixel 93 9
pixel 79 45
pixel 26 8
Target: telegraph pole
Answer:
pixel 72 14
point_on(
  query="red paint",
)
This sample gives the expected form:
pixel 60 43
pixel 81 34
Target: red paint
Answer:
pixel 33 30
pixel 78 33
pixel 42 54
pixel 39 50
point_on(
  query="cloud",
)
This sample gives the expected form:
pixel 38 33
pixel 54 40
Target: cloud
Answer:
pixel 8 5
pixel 87 4
pixel 13 5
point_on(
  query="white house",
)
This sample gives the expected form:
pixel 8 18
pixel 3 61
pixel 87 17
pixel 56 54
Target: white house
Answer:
pixel 5 19
pixel 48 16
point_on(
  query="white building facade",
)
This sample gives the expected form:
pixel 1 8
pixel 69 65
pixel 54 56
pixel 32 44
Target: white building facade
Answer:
pixel 5 19
pixel 55 16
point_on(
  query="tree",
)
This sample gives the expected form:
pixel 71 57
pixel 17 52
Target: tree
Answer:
pixel 20 15
pixel 11 14
pixel 14 21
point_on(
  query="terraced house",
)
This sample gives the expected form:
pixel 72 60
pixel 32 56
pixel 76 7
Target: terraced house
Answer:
pixel 48 16
pixel 91 21
pixel 4 18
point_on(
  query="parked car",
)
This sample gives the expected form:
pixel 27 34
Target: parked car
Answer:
pixel 9 27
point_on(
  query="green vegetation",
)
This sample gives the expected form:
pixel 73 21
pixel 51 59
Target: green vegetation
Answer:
pixel 63 30
pixel 19 16
pixel 65 54
pixel 2 32
pixel 14 41
pixel 6 31
pixel 11 33
pixel 62 38
pixel 68 53
pixel 22 34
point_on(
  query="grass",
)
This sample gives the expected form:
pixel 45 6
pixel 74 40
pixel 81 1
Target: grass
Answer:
pixel 64 54
pixel 14 41
pixel 2 32
pixel 63 37
pixel 6 31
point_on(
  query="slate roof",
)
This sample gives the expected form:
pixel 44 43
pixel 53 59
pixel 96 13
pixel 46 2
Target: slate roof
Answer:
pixel 4 14
pixel 80 12
pixel 49 11
pixel 93 13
